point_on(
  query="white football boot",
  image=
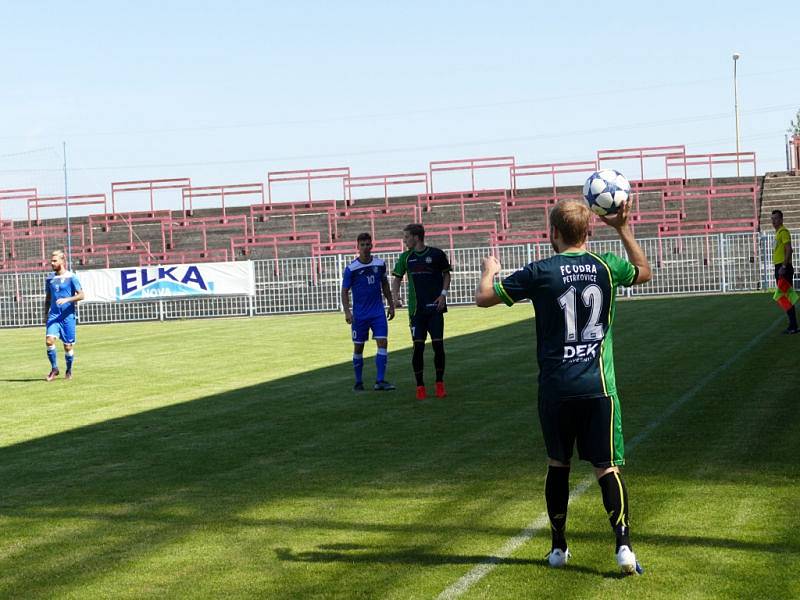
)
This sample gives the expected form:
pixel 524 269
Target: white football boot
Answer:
pixel 627 562
pixel 558 557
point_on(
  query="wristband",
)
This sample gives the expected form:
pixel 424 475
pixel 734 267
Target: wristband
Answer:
pixel 444 293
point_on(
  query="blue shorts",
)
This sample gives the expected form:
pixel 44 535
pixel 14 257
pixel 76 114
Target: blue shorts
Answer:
pixel 62 329
pixel 377 323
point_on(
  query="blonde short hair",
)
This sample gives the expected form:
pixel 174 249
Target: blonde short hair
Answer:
pixel 60 254
pixel 571 218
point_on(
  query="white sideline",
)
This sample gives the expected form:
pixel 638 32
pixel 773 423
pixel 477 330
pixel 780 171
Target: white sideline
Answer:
pixel 480 571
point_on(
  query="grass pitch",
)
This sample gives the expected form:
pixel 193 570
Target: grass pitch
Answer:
pixel 229 458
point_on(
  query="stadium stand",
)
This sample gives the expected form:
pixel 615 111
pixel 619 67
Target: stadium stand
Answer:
pixel 781 191
pixel 246 245
pixel 189 227
pixel 462 200
pixel 330 209
pixel 104 256
pixel 399 214
pixel 184 256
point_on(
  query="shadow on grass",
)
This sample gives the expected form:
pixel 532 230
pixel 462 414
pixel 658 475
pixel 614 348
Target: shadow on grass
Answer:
pixel 295 457
pixel 418 556
pixel 148 480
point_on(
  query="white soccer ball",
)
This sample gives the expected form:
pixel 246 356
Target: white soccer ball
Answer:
pixel 606 191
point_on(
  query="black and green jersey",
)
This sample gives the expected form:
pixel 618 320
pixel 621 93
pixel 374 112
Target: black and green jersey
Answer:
pixel 573 296
pixel 425 271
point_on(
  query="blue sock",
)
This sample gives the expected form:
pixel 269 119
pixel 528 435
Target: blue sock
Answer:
pixel 51 354
pixel 380 363
pixel 70 356
pixel 358 366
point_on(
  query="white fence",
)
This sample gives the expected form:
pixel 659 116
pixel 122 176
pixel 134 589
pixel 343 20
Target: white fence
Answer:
pixel 717 263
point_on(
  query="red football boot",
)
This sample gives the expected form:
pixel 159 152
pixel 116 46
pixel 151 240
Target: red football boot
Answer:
pixel 440 391
pixel 421 392
pixel 52 375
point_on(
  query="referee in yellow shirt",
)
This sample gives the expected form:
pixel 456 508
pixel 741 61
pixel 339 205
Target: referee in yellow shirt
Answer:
pixel 782 259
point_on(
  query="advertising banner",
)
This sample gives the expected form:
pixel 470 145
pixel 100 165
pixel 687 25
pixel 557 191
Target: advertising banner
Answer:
pixel 168 281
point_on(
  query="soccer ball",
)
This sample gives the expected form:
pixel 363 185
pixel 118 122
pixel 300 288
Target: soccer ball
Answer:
pixel 605 191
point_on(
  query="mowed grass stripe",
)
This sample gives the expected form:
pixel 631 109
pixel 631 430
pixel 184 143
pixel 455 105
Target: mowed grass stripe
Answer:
pixel 541 523
pixel 238 473
pixel 712 490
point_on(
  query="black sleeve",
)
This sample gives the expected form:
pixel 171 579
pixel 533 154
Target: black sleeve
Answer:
pixel 518 286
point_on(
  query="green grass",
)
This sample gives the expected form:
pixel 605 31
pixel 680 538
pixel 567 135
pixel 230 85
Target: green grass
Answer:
pixel 229 458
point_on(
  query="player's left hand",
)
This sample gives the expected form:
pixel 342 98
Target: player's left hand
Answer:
pixel 390 312
pixel 441 303
pixel 61 301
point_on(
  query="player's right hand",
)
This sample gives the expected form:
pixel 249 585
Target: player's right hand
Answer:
pixel 348 317
pixel 620 218
pixel 490 265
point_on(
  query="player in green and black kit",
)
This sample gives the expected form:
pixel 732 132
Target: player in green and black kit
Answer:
pixel 428 273
pixel 573 297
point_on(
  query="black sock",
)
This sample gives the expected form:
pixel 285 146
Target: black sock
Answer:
pixel 556 493
pixel 418 362
pixel 438 358
pixel 792 314
pixel 615 499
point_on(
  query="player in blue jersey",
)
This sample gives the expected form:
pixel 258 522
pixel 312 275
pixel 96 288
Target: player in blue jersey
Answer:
pixel 62 292
pixel 366 277
pixel 573 295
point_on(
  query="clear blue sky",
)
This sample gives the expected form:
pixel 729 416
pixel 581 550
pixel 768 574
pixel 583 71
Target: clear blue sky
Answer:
pixel 225 92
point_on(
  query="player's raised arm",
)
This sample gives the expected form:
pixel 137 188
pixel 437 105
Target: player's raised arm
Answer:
pixel 485 295
pixel 635 253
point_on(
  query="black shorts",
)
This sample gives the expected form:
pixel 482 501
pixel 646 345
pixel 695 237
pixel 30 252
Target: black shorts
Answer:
pixel 788 274
pixel 427 322
pixel 595 423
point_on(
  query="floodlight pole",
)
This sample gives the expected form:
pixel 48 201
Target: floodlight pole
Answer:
pixel 736 56
pixel 66 208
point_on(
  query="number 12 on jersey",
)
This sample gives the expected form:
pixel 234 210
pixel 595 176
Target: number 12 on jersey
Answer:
pixel 592 298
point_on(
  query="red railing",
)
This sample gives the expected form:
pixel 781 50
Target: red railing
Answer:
pixel 309 176
pixel 21 194
pixel 220 191
pixel 385 182
pixel 713 160
pixel 147 185
pixel 639 154
pixel 34 204
pixel 552 170
pixel 471 165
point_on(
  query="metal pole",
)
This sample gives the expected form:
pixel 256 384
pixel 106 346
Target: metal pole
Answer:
pixel 66 208
pixel 736 56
